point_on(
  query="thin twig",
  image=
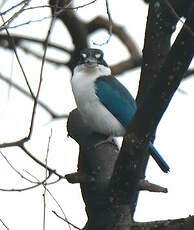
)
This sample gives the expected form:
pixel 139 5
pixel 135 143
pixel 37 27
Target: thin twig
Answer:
pixel 13 7
pixel 46 175
pixel 6 23
pixel 61 9
pixel 54 200
pixel 45 180
pixel 23 140
pixel 41 78
pixel 20 174
pixel 110 26
pixel 51 171
pixel 23 177
pixel 18 60
pixel 43 61
pixel 4 224
pixel 29 187
pixel 65 217
pixel 39 56
pixel 109 19
pixel 29 22
pixel 13 143
pixel 44 208
pixel 44 106
pixel 20 38
pixel 20 142
pixel 65 220
pixel 19 189
pixel 117 30
pixel 47 152
pixel 58 12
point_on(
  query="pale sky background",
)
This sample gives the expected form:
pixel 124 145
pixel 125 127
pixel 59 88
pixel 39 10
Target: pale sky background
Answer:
pixel 174 138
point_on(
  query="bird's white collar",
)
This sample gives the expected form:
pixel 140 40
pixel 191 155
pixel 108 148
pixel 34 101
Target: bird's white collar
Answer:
pixel 99 70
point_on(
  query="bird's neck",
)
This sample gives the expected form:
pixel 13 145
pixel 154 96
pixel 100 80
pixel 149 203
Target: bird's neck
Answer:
pixel 92 72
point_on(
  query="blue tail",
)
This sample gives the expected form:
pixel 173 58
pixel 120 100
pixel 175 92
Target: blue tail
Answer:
pixel 158 158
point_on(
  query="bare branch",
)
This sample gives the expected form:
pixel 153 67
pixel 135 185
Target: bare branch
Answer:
pixel 176 224
pixel 76 27
pixel 189 73
pixel 65 217
pixel 65 220
pixel 6 23
pixel 40 80
pixel 135 57
pixel 61 8
pixel 44 106
pixel 23 140
pixel 19 38
pixel 11 8
pixel 21 189
pixel 39 56
pixel 51 171
pixel 79 177
pixel 45 188
pixel 126 65
pixel 14 143
pixel 119 31
pixel 29 187
pixel 4 224
pixel 147 186
pixel 20 174
pixel 110 26
pixel 18 60
pixel 27 179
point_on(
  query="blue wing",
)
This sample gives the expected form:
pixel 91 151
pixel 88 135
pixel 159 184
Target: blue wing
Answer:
pixel 116 98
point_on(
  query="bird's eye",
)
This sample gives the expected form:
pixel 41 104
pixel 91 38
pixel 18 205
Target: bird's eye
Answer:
pixel 98 56
pixel 84 55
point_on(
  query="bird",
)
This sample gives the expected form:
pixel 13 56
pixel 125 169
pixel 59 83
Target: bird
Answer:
pixel 104 103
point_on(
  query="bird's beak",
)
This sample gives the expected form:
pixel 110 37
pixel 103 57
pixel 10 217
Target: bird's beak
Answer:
pixel 91 62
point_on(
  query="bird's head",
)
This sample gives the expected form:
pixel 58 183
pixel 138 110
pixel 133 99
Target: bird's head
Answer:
pixel 91 61
pixel 91 58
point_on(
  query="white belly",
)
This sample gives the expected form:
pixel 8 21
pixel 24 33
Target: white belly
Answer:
pixel 99 118
pixel 93 112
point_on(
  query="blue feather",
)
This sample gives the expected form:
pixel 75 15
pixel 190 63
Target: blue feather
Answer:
pixel 118 100
pixel 158 158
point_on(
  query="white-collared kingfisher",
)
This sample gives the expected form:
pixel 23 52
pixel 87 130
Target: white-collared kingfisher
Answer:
pixel 103 102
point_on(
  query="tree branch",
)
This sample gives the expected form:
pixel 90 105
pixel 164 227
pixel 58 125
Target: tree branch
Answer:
pixel 23 91
pixel 128 168
pixel 177 224
pixel 125 38
pixel 19 38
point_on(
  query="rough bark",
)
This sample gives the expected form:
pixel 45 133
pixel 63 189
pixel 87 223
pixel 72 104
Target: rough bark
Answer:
pixel 109 178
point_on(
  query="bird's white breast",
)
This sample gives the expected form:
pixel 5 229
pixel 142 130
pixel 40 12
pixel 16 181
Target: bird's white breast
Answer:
pixel 92 110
